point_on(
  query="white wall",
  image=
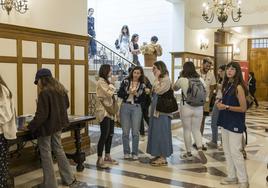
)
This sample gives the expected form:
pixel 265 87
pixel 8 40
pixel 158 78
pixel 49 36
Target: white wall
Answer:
pixel 193 40
pixel 146 18
pixel 57 15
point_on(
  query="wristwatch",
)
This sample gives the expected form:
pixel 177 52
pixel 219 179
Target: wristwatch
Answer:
pixel 227 107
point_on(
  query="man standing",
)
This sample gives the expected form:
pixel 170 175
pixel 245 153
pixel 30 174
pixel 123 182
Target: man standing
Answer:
pixel 208 76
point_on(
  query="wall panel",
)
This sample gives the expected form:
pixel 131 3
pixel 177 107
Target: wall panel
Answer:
pixel 79 94
pixel 29 94
pixel 7 69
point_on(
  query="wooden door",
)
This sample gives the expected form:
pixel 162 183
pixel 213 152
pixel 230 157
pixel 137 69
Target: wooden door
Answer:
pixel 258 63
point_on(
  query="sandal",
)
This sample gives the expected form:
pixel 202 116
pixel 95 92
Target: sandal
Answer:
pixel 159 162
pixel 111 161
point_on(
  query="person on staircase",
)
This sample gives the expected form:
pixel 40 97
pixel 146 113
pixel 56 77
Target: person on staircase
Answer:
pixel 134 49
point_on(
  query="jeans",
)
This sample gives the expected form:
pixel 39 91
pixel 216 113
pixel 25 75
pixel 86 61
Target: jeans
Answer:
pixel 232 145
pixel 107 132
pixel 45 145
pixel 214 126
pixel 130 116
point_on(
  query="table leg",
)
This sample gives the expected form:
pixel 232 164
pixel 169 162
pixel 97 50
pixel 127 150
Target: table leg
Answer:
pixel 79 157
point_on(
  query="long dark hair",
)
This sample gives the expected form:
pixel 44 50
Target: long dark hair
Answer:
pixel 2 82
pixel 160 65
pixel 141 79
pixel 237 79
pixel 252 74
pixel 125 27
pixel 189 71
pixel 104 72
pixel 222 67
pixel 133 37
pixel 51 83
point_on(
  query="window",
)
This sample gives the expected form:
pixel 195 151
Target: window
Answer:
pixel 259 43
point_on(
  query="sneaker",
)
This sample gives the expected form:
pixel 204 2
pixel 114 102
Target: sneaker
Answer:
pixel 244 185
pixel 102 165
pixel 202 157
pixel 229 181
pixel 195 146
pixel 187 156
pixel 127 156
pixel 135 157
pixel 212 145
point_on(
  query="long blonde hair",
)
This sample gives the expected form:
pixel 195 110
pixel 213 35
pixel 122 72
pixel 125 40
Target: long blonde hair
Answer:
pixel 3 83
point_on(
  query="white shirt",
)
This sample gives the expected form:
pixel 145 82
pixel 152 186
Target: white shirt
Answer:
pixel 209 79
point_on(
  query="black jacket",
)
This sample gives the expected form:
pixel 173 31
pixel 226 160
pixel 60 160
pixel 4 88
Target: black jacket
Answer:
pixel 123 92
pixel 252 85
pixel 51 114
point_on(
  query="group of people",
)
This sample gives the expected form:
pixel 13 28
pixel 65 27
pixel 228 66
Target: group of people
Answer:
pixel 228 113
pixel 135 90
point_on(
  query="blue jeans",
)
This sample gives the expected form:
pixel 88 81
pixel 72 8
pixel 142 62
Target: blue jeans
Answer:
pixel 214 126
pixel 130 116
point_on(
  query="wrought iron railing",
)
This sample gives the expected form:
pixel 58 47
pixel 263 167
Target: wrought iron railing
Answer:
pixel 107 55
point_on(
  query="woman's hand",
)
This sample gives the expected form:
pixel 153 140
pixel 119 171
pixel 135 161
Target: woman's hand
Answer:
pixel 221 106
pixel 147 91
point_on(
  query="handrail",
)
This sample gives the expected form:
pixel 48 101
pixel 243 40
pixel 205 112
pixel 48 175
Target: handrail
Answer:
pixel 112 50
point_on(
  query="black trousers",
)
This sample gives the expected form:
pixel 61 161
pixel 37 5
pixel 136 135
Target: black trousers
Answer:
pixel 3 162
pixel 107 132
pixel 252 93
pixel 145 116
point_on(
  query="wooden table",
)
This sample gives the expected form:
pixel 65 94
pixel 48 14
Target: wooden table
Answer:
pixel 76 124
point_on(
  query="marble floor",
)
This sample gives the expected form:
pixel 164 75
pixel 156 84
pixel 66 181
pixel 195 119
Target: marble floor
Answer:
pixel 178 173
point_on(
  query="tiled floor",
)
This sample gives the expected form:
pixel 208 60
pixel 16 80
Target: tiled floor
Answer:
pixel 179 173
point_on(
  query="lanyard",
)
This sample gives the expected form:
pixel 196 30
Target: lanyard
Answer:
pixel 227 90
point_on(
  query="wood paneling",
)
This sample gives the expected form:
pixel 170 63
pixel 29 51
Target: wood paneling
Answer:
pixel 258 63
pixel 40 36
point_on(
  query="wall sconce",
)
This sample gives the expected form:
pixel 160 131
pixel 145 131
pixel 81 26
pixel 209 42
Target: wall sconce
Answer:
pixel 203 44
pixel 19 5
pixel 237 51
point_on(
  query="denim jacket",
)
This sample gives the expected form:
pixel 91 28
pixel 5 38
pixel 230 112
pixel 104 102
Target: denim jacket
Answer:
pixel 124 88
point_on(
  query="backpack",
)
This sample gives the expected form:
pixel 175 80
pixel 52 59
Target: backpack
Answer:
pixel 196 93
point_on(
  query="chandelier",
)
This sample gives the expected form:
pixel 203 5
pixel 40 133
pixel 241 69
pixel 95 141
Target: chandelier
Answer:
pixel 19 5
pixel 221 9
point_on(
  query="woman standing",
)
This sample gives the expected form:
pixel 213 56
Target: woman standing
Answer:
pixel 105 94
pixel 124 41
pixel 215 111
pixel 232 120
pixel 8 130
pixel 191 116
pixel 159 133
pixel 134 49
pixel 252 87
pixel 50 117
pixel 132 91
pixel 91 31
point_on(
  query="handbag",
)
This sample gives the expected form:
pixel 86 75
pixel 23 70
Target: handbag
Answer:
pixel 113 109
pixel 166 102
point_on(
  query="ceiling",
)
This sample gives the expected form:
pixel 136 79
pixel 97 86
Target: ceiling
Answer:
pixel 253 31
pixel 253 23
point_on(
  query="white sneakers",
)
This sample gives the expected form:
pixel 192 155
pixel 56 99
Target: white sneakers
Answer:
pixel 129 157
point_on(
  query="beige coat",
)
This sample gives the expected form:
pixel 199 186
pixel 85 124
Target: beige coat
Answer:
pixel 8 125
pixel 104 92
